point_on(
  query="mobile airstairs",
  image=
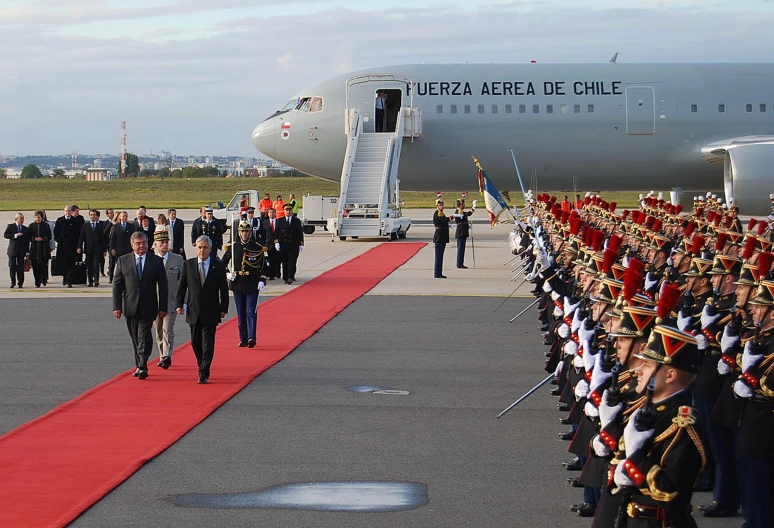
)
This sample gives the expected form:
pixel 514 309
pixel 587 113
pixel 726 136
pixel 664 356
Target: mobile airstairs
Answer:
pixel 369 204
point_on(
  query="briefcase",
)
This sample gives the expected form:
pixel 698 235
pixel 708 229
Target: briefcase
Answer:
pixel 56 269
pixel 79 273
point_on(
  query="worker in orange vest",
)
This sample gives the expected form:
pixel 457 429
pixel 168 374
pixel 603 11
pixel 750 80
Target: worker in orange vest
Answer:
pixel 566 205
pixel 279 206
pixel 264 206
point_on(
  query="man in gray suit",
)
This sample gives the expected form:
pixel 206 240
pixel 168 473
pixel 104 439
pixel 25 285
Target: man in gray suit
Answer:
pixel 164 327
pixel 140 293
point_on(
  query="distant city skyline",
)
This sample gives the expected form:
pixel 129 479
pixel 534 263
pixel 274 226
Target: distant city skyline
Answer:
pixel 195 76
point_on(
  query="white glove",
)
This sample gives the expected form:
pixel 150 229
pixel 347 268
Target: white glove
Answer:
pixel 727 342
pixel 702 342
pixel 563 331
pixel 621 477
pixel 576 322
pixel 749 359
pixel 724 368
pixel 706 319
pixel 608 413
pixel 581 389
pixel 598 376
pixel 475 204
pixel 554 296
pixel 300 249
pixel 683 322
pixel 634 440
pixel 558 313
pixel 650 281
pixel 742 390
pixel 261 286
pixel 670 262
pixel 230 276
pixel 546 287
pixel 577 361
pixel 559 367
pixel 590 410
pixel 570 348
pixel 600 448
pixel 585 335
pixel 589 357
pixel 569 307
pixel 625 262
pixel 276 246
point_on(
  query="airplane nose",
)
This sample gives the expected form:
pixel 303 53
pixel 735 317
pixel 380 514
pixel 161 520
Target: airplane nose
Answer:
pixel 263 137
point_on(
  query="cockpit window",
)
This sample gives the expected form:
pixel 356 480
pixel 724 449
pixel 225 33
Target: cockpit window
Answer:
pixel 310 104
pixel 290 105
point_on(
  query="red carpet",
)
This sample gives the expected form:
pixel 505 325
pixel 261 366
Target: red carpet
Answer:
pixel 56 466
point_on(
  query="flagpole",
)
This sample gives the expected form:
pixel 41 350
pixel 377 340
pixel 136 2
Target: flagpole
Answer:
pixel 526 202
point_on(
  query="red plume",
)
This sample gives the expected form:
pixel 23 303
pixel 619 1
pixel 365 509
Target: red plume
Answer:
pixel 612 206
pixel 761 228
pixel 751 224
pixel 720 243
pixel 624 215
pixel 575 226
pixel 749 247
pixel 632 282
pixel 565 216
pixel 718 218
pixel 728 222
pixel 710 216
pixel 689 228
pixel 699 212
pixel 658 225
pixel 678 209
pixel 587 200
pixel 636 265
pixel 597 239
pixel 649 222
pixel 615 242
pixel 609 259
pixel 765 260
pixel 668 300
pixel 552 200
pixel 698 243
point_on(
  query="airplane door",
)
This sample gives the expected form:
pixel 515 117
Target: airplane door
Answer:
pixel 640 110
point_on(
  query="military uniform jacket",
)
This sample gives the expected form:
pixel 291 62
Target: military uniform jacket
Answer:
pixel 290 234
pixel 463 225
pixel 756 430
pixel 708 383
pixel 665 470
pixel 441 223
pixel 211 229
pixel 248 266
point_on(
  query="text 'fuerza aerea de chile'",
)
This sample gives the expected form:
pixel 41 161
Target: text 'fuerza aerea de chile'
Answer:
pixel 517 88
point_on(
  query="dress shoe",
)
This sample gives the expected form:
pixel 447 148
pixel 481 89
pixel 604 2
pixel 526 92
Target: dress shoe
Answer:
pixel 573 465
pixel 136 372
pixel 440 276
pixel 20 286
pixel 716 510
pixel 166 363
pixel 573 481
pixel 242 344
pixel 587 511
pixel 202 380
pixel 161 362
pixel 462 267
pixel 291 280
pixel 564 421
pixel 564 407
pixel 251 343
pixel 567 436
pixel 13 286
pixel 69 285
pixel 143 374
pixel 577 507
pixel 90 285
pixel 45 283
pixel 556 392
pixel 37 285
pixel 287 282
pixel 110 281
pixel 544 328
pixel 96 284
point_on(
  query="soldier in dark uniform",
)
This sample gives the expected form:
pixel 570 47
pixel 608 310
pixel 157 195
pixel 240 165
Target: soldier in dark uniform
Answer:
pixel 246 280
pixel 440 238
pixel 662 454
pixel 211 228
pixel 196 225
pixel 259 235
pixel 462 232
pixel 67 230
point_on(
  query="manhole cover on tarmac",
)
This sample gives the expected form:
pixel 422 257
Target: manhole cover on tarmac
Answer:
pixel 318 496
pixel 393 392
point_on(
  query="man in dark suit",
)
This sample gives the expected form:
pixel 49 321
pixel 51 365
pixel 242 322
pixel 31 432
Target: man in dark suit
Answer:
pixel 176 233
pixel 291 243
pixel 140 286
pixel 67 230
pixel 204 278
pixel 270 235
pixel 120 238
pixel 91 243
pixel 18 236
pixel 143 213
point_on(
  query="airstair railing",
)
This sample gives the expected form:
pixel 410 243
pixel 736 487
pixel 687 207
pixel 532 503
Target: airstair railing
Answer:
pixel 353 136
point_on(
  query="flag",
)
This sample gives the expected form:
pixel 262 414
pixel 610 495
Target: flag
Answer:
pixel 495 205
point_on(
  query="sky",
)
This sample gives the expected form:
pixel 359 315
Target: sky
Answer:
pixel 194 77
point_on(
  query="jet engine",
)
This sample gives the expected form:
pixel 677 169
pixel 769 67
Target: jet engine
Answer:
pixel 748 176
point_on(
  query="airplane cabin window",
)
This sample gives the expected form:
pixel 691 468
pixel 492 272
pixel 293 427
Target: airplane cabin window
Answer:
pixel 590 109
pixel 508 109
pixel 316 105
pixel 694 108
pixel 439 109
pixel 495 109
pixel 763 107
pixel 480 109
pixel 303 104
pixel 563 109
pixel 535 109
pixel 576 109
pixel 452 109
pixel 721 108
pixel 467 109
pixel 748 107
pixel 549 109
pixel 522 109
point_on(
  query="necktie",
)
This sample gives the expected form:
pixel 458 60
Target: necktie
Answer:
pixel 201 272
pixel 94 225
pixel 139 268
pixel 272 226
pixel 123 226
pixel 20 229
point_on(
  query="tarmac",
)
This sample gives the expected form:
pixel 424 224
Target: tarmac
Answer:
pixel 444 347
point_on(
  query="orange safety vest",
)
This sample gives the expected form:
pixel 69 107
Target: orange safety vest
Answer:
pixel 264 205
pixel 278 206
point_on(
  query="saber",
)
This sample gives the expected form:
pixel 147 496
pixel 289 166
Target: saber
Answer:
pixel 533 303
pixel 514 258
pixel 472 244
pixel 519 274
pixel 527 395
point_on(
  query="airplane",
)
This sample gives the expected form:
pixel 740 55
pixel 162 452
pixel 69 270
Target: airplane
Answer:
pixel 607 126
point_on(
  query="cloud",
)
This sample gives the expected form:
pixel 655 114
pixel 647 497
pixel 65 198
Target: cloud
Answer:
pixel 202 90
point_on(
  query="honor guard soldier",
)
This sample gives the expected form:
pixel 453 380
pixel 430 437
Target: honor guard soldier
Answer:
pixel 246 280
pixel 211 228
pixel 440 238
